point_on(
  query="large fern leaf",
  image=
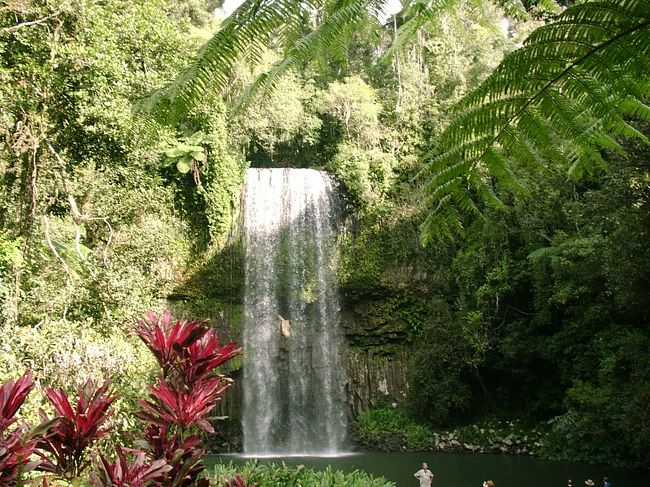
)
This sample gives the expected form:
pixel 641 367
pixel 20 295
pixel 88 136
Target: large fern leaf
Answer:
pixel 243 35
pixel 328 37
pixel 256 23
pixel 563 97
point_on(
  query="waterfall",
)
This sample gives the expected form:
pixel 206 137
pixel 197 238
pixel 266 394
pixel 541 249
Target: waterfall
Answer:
pixel 293 383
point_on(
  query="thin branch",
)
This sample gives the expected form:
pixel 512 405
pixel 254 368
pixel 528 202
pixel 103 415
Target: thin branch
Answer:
pixel 33 180
pixel 77 216
pixel 16 27
pixel 46 230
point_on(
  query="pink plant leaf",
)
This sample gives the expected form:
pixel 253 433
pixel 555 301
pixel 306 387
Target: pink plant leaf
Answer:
pixel 12 396
pixel 125 473
pixel 63 448
pixel 16 446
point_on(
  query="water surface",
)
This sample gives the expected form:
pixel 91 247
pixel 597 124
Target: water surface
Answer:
pixel 466 470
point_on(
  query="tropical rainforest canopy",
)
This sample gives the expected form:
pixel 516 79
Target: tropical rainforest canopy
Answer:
pixel 493 158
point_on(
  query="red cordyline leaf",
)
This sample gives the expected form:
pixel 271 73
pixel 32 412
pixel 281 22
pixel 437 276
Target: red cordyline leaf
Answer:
pixel 203 356
pixel 15 451
pixel 183 455
pixel 166 340
pixel 17 446
pixel 12 396
pixel 189 354
pixel 186 351
pixel 77 428
pixel 125 473
pixel 183 408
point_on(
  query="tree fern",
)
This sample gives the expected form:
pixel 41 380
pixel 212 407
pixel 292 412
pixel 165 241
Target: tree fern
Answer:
pixel 256 23
pixel 327 37
pixel 564 97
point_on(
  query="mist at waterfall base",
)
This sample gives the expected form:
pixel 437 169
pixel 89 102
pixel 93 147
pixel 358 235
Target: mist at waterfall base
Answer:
pixel 293 380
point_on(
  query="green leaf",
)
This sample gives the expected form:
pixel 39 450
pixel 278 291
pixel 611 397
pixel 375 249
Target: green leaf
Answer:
pixel 184 165
pixel 175 152
pixel 562 99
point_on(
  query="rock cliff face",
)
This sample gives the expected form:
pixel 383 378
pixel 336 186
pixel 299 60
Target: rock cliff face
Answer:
pixel 375 379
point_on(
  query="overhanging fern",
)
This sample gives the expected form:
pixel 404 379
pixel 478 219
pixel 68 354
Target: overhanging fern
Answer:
pixel 326 37
pixel 564 96
pixel 243 35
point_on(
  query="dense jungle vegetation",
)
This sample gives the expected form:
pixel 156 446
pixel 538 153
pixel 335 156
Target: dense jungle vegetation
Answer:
pixel 520 290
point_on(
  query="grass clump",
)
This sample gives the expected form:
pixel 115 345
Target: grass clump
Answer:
pixel 388 428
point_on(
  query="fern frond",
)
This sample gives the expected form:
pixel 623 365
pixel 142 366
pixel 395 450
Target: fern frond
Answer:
pixel 241 37
pixel 419 14
pixel 562 97
pixel 425 13
pixel 327 37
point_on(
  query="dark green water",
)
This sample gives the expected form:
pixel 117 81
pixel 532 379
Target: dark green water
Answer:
pixel 466 470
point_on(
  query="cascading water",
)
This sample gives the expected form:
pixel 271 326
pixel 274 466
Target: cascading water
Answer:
pixel 293 375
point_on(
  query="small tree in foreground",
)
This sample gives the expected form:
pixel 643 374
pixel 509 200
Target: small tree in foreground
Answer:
pixel 187 391
pixel 63 450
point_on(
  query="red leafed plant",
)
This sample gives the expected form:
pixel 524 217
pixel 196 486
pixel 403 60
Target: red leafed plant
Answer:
pixel 189 354
pixel 183 455
pixel 125 473
pixel 16 446
pixel 185 408
pixel 187 351
pixel 237 481
pixel 78 427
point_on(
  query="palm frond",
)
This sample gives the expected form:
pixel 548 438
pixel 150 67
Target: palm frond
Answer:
pixel 563 97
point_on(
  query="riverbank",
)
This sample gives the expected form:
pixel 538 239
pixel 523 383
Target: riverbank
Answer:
pixel 390 430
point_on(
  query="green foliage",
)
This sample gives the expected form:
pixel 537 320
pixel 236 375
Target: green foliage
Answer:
pixel 391 426
pixel 274 475
pixel 64 355
pixel 365 174
pixel 10 261
pixel 90 228
pixel 199 12
pixel 440 390
pixel 240 37
pixel 604 410
pixel 287 117
pixel 387 419
pixel 539 313
pixel 186 153
pixel 354 104
pixel 563 96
